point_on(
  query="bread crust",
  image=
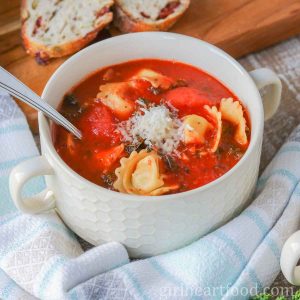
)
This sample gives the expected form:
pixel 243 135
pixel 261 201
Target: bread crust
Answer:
pixel 44 52
pixel 126 23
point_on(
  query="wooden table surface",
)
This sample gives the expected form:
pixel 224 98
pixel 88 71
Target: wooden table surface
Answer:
pixel 237 26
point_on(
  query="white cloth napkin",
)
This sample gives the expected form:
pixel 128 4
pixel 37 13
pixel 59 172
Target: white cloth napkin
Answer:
pixel 39 257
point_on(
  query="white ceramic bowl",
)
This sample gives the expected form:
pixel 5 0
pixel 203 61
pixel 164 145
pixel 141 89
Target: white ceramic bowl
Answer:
pixel 147 225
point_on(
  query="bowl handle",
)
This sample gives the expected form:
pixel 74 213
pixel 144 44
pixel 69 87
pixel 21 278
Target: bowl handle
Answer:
pixel 23 172
pixel 271 99
pixel 290 256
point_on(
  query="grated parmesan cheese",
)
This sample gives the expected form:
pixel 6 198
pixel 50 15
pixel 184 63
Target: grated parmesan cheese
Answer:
pixel 156 126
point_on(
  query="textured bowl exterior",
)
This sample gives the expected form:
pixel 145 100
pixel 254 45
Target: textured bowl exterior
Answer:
pixel 149 228
pixel 152 225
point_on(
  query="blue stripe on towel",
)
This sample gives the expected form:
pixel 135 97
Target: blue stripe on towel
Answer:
pixel 269 241
pixel 231 243
pixel 34 186
pixel 13 128
pixel 134 282
pixel 281 172
pixel 273 246
pixel 165 273
pixel 238 252
pixel 11 218
pixel 9 286
pixel 54 267
pixel 8 289
pixel 6 204
pixel 12 163
pixel 297 190
pixel 31 188
pixel 162 271
pixel 73 295
pixel 288 148
pixel 254 278
pixel 258 220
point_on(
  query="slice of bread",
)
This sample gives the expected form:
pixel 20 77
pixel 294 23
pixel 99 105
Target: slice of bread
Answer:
pixel 144 15
pixel 55 28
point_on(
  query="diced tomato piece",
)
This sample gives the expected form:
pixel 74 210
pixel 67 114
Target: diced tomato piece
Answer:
pixel 106 158
pixel 187 99
pixel 98 121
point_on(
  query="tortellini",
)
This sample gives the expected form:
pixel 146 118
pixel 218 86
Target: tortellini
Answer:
pixel 156 79
pixel 113 96
pixel 232 111
pixel 140 174
pixel 216 115
pixel 195 128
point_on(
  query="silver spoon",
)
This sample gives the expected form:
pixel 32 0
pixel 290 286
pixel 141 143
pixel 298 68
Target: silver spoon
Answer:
pixel 18 89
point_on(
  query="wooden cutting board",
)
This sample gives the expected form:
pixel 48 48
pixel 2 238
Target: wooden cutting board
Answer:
pixel 237 26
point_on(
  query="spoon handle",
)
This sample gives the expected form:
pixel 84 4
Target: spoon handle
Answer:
pixel 18 89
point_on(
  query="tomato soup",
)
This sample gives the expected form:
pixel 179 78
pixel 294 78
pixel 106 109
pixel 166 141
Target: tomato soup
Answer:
pixel 152 127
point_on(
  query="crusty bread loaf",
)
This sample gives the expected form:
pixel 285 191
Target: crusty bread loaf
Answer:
pixel 154 15
pixel 55 28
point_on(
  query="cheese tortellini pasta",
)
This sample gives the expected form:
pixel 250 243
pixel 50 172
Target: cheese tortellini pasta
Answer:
pixel 195 128
pixel 112 95
pixel 232 111
pixel 140 174
pixel 217 117
pixel 156 79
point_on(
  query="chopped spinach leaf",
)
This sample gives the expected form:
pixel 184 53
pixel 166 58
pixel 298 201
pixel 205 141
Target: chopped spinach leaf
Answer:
pixel 143 100
pixel 154 90
pixel 70 100
pixel 108 179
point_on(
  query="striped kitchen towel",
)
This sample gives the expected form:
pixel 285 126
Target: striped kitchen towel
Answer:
pixel 234 262
pixel 36 249
pixel 40 258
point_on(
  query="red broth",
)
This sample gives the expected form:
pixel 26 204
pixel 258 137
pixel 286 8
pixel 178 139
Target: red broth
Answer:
pixel 98 154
